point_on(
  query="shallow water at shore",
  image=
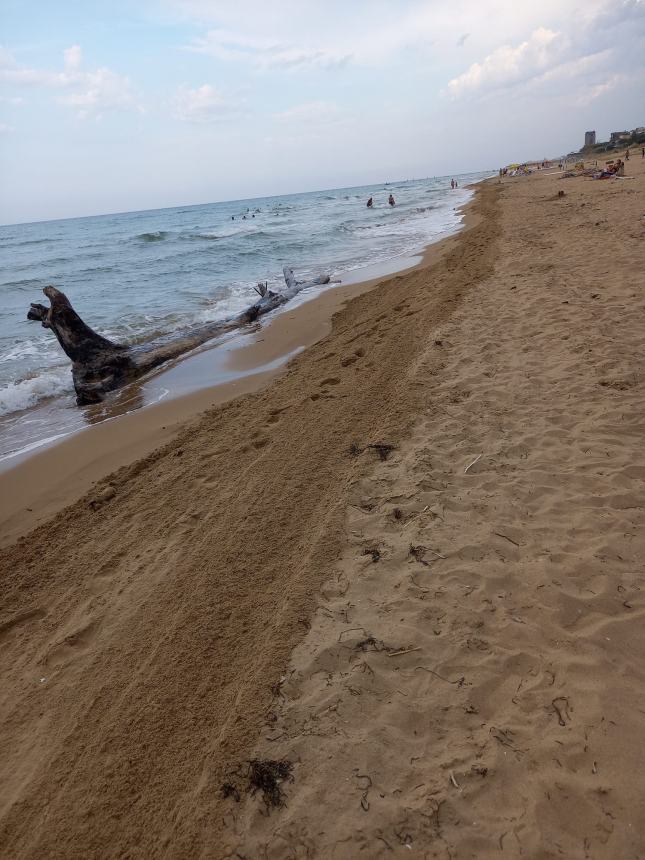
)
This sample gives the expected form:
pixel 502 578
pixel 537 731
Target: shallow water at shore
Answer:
pixel 136 275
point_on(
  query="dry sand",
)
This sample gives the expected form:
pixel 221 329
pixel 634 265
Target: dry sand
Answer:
pixel 148 631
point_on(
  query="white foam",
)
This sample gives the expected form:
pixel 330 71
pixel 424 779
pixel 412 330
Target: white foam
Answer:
pixel 20 351
pixel 22 395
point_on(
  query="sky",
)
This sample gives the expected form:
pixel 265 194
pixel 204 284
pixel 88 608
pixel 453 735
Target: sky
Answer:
pixel 121 106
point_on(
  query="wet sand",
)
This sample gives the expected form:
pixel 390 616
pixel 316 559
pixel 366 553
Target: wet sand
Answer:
pixel 34 486
pixel 443 638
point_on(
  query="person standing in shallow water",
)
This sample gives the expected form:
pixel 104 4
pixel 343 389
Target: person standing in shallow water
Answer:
pixel 391 200
pixel 370 203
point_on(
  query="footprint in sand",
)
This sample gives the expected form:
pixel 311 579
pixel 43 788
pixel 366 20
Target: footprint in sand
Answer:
pixel 110 565
pixel 331 380
pixel 275 414
pixel 71 646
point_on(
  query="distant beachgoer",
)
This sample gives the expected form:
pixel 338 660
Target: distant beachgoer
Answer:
pixel 452 183
pixel 456 184
pixel 232 217
pixel 627 155
pixel 370 203
pixel 391 200
pixel 643 152
pixel 614 168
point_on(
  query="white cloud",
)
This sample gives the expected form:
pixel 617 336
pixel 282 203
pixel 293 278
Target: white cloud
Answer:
pixel 72 58
pixel 588 49
pixel 597 90
pixel 204 104
pixel 311 34
pixel 580 67
pixel 6 129
pixel 100 90
pixel 263 53
pixel 88 92
pixel 510 65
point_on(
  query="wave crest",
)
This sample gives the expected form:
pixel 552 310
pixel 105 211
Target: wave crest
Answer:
pixel 154 236
pixel 21 395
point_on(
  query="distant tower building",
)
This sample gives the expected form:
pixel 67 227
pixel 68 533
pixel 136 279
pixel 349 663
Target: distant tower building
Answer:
pixel 590 138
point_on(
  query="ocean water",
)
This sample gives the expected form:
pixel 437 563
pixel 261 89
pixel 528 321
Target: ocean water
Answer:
pixel 136 275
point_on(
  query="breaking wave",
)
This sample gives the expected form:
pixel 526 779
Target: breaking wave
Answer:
pixel 22 395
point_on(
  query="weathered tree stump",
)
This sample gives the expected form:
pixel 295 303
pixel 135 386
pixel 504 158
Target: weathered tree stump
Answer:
pixel 100 366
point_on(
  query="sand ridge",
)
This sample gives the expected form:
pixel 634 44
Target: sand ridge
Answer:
pixel 473 682
pixel 144 626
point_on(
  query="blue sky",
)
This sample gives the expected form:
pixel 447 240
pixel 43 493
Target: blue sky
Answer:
pixel 119 106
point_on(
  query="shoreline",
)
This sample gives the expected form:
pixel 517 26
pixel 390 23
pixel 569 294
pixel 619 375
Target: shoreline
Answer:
pixel 35 485
pixel 221 262
pixel 407 572
pixel 146 624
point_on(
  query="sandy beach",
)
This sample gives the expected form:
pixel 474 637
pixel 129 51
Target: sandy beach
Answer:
pixel 407 568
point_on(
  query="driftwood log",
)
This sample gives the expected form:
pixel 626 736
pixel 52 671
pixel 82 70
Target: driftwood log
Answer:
pixel 100 366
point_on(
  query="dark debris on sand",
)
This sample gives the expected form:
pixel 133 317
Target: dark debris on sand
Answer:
pixel 264 775
pixel 267 776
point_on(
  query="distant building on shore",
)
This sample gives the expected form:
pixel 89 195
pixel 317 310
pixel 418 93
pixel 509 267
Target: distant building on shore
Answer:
pixel 617 140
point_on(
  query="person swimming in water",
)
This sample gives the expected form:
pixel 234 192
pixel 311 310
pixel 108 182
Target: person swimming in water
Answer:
pixel 391 200
pixel 370 203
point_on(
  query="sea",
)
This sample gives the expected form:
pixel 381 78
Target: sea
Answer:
pixel 136 275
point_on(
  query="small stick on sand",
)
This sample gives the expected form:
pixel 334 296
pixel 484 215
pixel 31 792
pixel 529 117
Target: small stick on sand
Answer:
pixel 405 651
pixel 460 681
pixel 420 514
pixel 453 780
pixel 506 537
pixel 476 460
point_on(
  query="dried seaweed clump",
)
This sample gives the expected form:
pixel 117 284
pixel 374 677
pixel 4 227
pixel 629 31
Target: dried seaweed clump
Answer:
pixel 267 776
